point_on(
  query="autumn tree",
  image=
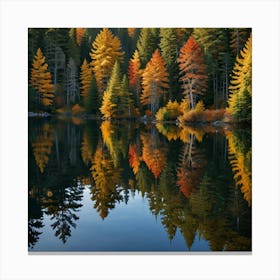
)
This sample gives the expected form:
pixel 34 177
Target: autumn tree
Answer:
pixel 79 35
pixel 105 192
pixel 85 78
pixel 192 163
pixel 41 80
pixel 134 157
pixel 106 50
pixel 42 146
pixel 153 153
pixel 131 32
pixel 241 85
pixel 240 160
pixel 155 82
pixel 192 70
pixel 111 95
pixel 134 75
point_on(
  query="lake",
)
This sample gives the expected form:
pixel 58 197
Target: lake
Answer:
pixel 125 186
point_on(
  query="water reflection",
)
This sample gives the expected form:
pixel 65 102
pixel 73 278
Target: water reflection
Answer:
pixel 197 181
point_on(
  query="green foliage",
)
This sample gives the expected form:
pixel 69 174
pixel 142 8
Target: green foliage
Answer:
pixel 170 112
pixel 147 43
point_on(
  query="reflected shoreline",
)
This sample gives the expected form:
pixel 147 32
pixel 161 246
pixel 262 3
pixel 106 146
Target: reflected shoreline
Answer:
pixel 196 180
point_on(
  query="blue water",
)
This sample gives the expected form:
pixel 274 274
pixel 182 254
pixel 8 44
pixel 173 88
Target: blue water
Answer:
pixel 129 227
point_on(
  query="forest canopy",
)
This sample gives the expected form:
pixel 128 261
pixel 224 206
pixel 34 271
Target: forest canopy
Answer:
pixel 135 72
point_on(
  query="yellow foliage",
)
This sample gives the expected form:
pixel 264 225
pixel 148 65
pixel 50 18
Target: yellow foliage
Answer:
pixel 107 108
pixel 42 146
pixel 106 50
pixel 153 154
pixel 41 79
pixel 170 112
pixel 154 81
pixel 199 107
pixel 241 170
pixel 85 77
pixel 86 151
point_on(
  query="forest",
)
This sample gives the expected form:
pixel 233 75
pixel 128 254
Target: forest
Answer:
pixel 187 75
pixel 195 181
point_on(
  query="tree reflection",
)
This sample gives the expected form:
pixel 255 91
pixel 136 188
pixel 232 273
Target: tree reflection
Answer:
pixel 105 191
pixel 197 181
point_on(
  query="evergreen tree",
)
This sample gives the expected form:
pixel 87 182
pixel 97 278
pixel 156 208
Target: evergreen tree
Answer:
pixel 106 50
pixel 155 82
pixel 168 46
pixel 192 70
pixel 147 43
pixel 134 75
pixel 41 80
pixel 111 95
pixel 241 84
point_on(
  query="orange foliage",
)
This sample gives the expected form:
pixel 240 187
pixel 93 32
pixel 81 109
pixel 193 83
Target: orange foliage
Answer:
pixel 192 69
pixel 155 81
pixel 134 158
pixel 190 169
pixel 131 32
pixel 79 35
pixel 134 72
pixel 153 154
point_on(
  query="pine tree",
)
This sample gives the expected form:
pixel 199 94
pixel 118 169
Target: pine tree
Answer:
pixel 106 50
pixel 79 35
pixel 126 106
pixel 134 75
pixel 192 70
pixel 215 43
pixel 147 43
pixel 155 82
pixel 241 84
pixel 169 50
pixel 85 78
pixel 41 80
pixel 111 96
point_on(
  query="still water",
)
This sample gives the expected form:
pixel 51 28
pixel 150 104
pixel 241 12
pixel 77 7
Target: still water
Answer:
pixel 122 186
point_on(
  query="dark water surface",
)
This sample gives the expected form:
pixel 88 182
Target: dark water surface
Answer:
pixel 123 186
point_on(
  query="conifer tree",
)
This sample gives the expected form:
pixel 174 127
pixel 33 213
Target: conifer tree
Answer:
pixel 106 50
pixel 192 70
pixel 147 43
pixel 155 82
pixel 111 95
pixel 41 80
pixel 169 51
pixel 241 84
pixel 134 75
pixel 85 78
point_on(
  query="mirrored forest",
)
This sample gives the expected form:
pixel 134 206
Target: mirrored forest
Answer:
pixel 197 180
pixel 160 114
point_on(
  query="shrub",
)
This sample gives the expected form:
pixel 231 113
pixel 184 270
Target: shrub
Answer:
pixel 170 112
